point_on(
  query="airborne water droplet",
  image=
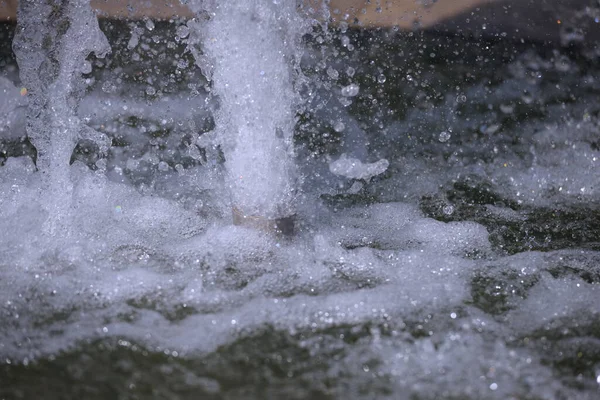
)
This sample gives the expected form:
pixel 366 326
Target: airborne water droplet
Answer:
pixel 150 25
pixel 332 73
pixel 339 126
pixel 444 137
pixel 183 31
pixel 351 90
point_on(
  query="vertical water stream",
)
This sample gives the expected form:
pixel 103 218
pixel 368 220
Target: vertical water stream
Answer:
pixel 250 51
pixel 52 42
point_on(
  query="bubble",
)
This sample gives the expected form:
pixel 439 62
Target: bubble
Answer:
pixel 350 71
pixel 494 386
pixel 381 78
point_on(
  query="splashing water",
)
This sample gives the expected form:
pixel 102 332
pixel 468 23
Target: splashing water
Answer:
pixel 51 45
pixel 250 50
pixel 463 268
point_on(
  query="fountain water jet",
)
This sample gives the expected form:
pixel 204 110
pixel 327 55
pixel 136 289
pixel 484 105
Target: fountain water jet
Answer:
pixel 52 42
pixel 250 51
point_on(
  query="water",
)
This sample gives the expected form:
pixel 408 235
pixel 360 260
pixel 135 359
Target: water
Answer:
pixel 52 56
pixel 421 268
pixel 251 51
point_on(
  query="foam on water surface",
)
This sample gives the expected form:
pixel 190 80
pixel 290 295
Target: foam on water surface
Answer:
pixel 145 270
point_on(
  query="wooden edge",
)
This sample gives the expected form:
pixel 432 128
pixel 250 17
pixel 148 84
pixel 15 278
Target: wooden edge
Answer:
pixel 280 226
pixel 405 14
pixel 538 20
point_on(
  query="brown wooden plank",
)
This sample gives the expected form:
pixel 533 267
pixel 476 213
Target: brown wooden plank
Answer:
pixel 516 19
pixel 402 13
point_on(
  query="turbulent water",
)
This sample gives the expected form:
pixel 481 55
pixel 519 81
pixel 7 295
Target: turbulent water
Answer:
pixel 250 50
pixel 466 266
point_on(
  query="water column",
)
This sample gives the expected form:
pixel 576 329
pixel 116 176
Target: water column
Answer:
pixel 52 41
pixel 250 51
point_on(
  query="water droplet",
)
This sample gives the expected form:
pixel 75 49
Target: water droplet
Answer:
pixel 351 90
pixel 345 101
pixel 150 91
pixel 182 64
pixel 163 166
pixel 381 78
pixel 507 108
pixel 339 126
pixel 448 209
pixel 86 67
pixel 444 137
pixel 494 386
pixel 332 73
pixel 183 31
pixel 108 87
pixel 149 25
pixel 453 315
